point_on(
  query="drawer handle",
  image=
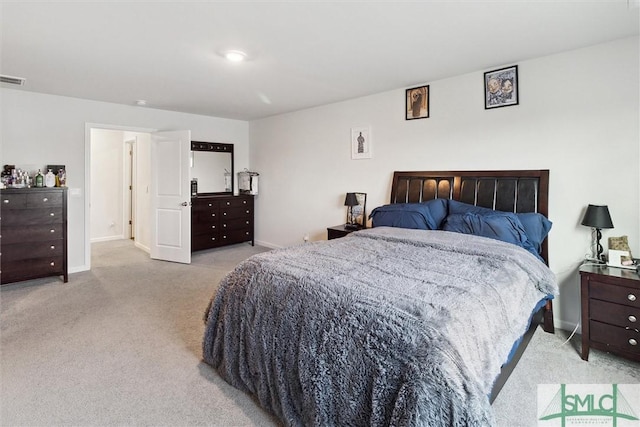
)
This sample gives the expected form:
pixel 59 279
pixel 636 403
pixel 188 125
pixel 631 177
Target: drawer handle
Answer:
pixel 224 237
pixel 6 201
pixel 247 222
pixel 52 214
pixel 52 230
pixel 224 225
pixel 246 232
pixel 631 297
pixel 53 247
pixel 45 200
pixel 213 238
pixel 248 211
pixel 210 204
pixel 213 226
pixel 52 264
pixel 632 318
pixel 224 213
pixel 213 214
pixel 228 203
pixel 632 341
pixel 244 201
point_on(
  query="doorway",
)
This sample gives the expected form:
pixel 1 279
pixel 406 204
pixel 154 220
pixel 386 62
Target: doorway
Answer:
pixel 117 173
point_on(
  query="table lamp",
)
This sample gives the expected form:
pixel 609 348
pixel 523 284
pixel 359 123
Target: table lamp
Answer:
pixel 350 201
pixel 597 217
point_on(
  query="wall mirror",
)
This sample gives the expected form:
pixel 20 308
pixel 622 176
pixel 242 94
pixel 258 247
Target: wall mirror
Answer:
pixel 212 167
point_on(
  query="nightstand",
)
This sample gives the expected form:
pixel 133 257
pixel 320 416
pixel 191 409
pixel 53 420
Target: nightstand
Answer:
pixel 339 231
pixel 610 310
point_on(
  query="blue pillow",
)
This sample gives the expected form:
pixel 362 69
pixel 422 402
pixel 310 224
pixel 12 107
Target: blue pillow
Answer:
pixel 425 216
pixel 502 226
pixel 535 225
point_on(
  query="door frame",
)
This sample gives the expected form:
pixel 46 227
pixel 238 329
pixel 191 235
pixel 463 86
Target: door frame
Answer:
pixel 87 178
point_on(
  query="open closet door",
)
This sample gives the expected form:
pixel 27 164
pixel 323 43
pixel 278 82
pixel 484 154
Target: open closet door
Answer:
pixel 170 196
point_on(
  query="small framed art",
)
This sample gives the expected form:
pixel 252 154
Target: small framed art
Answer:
pixel 360 210
pixel 361 143
pixel 501 87
pixel 417 103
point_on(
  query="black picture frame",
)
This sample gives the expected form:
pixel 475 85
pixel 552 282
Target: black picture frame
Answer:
pixel 417 103
pixel 501 88
pixel 359 211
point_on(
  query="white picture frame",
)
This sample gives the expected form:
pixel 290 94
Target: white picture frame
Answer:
pixel 361 143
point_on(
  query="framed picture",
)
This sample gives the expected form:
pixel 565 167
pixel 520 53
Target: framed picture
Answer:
pixel 361 143
pixel 501 87
pixel 417 99
pixel 359 211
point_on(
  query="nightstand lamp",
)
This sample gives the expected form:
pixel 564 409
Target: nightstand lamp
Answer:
pixel 598 217
pixel 350 201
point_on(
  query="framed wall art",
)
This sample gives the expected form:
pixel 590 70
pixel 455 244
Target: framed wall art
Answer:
pixel 501 87
pixel 359 211
pixel 361 143
pixel 417 103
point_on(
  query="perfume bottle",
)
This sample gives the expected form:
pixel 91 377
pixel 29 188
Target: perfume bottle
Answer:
pixel 39 179
pixel 50 179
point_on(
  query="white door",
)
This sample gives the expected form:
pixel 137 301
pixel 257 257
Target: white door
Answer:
pixel 170 196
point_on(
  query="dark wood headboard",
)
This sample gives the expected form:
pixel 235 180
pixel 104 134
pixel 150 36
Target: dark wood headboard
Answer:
pixel 517 191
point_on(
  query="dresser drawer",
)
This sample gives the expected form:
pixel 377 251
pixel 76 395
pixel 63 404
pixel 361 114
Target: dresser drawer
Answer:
pixel 204 228
pixel 243 212
pixel 614 293
pixel 204 241
pixel 613 336
pixel 615 314
pixel 205 204
pixel 32 216
pixel 13 201
pixel 236 202
pixel 43 199
pixel 32 268
pixel 236 224
pixel 31 233
pixel 20 251
pixel 236 236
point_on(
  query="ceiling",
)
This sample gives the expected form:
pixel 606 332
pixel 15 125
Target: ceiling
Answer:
pixel 301 54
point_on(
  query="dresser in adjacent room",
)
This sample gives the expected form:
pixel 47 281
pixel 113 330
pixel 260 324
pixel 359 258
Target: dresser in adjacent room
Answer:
pixel 34 233
pixel 219 220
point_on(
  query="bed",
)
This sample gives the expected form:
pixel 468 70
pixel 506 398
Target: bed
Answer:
pixel 391 325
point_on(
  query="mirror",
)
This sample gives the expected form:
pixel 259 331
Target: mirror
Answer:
pixel 212 167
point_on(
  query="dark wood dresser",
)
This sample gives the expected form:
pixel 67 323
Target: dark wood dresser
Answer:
pixel 221 220
pixel 34 234
pixel 610 311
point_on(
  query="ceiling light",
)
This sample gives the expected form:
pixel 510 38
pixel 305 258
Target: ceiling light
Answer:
pixel 235 55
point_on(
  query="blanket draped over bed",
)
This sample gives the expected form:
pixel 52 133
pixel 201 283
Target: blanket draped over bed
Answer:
pixel 384 327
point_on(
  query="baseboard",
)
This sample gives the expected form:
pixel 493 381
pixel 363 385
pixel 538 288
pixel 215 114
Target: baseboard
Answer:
pixel 78 269
pixel 143 247
pixel 107 239
pixel 267 244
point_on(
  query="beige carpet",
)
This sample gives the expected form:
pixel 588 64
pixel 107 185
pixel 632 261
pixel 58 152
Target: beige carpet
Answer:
pixel 121 345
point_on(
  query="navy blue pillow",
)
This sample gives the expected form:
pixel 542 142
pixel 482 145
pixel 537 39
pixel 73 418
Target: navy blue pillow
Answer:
pixel 502 226
pixel 425 216
pixel 535 225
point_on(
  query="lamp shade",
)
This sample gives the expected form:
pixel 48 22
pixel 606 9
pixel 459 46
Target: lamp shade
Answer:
pixel 351 200
pixel 597 216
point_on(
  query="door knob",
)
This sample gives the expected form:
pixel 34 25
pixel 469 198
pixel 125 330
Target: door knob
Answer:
pixel 184 204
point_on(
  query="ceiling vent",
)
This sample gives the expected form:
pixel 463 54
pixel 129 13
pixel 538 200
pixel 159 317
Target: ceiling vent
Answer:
pixel 12 80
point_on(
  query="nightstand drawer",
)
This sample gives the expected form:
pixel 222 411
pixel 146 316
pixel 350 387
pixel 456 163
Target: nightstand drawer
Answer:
pixel 614 293
pixel 615 314
pixel 613 336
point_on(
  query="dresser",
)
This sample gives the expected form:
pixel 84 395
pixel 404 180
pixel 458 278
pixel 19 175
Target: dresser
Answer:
pixel 220 220
pixel 33 237
pixel 610 311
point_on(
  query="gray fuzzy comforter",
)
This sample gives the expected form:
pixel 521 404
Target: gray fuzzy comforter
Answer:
pixel 386 326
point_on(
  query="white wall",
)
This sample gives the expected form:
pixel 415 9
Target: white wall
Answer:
pixel 578 116
pixel 40 129
pixel 106 185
